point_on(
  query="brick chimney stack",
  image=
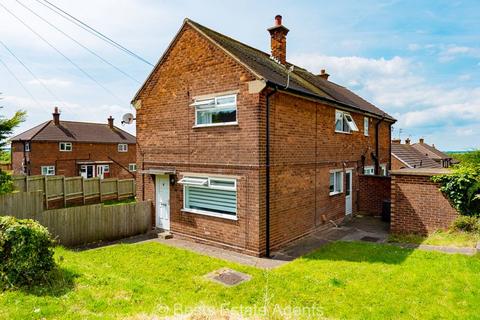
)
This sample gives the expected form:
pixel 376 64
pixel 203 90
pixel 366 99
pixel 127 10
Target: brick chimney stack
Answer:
pixel 110 122
pixel 56 116
pixel 323 74
pixel 396 141
pixel 407 141
pixel 421 140
pixel 278 43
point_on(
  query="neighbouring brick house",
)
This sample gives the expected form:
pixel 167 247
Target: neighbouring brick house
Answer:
pixel 241 149
pixel 70 148
pixel 404 155
pixel 433 153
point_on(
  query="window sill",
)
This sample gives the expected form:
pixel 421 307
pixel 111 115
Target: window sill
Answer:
pixel 211 214
pixel 335 193
pixel 223 124
pixel 336 131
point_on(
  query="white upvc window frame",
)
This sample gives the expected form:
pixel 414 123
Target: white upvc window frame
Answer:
pixel 208 183
pixel 383 169
pixel 132 167
pixel 122 147
pixel 65 146
pixel 27 146
pixel 366 126
pixel 212 104
pixel 47 170
pixel 345 117
pixel 369 170
pixel 335 182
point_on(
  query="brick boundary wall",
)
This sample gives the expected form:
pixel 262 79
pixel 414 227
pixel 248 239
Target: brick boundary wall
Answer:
pixel 373 190
pixel 418 206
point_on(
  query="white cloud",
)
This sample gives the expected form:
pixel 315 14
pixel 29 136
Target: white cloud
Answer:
pixel 451 52
pixel 51 82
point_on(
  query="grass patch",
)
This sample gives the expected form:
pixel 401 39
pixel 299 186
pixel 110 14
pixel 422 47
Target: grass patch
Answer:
pixel 440 238
pixel 342 280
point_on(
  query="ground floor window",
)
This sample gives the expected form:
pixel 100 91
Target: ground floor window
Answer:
pixel 383 169
pixel 369 170
pixel 48 170
pixel 132 167
pixel 336 182
pixel 210 196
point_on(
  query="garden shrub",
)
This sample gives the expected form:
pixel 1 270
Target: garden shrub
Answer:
pixel 6 182
pixel 26 252
pixel 462 187
pixel 467 224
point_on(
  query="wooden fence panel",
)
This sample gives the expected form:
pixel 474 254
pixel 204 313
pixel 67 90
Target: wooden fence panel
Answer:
pixel 74 187
pixel 22 205
pixel 92 223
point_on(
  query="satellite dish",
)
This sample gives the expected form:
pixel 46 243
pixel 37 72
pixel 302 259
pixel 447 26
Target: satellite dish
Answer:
pixel 127 118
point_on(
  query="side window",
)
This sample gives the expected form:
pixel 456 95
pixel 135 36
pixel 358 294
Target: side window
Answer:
pixel 336 182
pixel 221 110
pixel 27 147
pixel 344 122
pixel 369 170
pixel 47 170
pixel 132 167
pixel 366 122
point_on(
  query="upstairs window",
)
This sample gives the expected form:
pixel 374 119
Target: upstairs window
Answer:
pixel 366 122
pixel 336 182
pixel 210 196
pixel 65 146
pixel 132 167
pixel 216 111
pixel 122 147
pixel 344 122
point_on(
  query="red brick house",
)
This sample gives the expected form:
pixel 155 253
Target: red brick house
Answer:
pixel 70 148
pixel 405 155
pixel 433 153
pixel 241 149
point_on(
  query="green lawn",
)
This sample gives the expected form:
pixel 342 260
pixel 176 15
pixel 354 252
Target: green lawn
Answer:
pixel 440 238
pixel 342 280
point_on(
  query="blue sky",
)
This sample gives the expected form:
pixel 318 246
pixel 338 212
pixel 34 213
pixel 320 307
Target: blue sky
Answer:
pixel 417 60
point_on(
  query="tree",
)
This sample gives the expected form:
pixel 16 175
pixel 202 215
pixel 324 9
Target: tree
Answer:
pixel 6 128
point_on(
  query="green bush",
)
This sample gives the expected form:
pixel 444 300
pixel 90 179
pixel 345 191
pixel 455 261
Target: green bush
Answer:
pixel 6 183
pixel 467 224
pixel 462 187
pixel 26 252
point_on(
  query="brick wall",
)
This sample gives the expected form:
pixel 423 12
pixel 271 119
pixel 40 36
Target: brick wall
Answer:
pixel 397 164
pixel 48 154
pixel 417 204
pixel 373 191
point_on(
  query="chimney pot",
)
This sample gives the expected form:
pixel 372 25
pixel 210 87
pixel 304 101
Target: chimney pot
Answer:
pixel 278 40
pixel 323 74
pixel 407 141
pixel 56 116
pixel 110 122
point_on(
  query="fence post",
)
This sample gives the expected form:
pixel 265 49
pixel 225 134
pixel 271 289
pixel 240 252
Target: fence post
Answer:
pixel 134 191
pixel 64 192
pixel 100 188
pixel 46 191
pixel 26 183
pixel 118 189
pixel 83 190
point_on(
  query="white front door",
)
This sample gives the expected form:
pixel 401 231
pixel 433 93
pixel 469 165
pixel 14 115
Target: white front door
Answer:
pixel 100 170
pixel 348 192
pixel 162 206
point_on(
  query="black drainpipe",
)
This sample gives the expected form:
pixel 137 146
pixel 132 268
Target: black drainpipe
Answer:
pixel 267 173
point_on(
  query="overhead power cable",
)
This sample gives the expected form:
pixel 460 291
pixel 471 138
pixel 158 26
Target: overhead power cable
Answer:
pixel 29 71
pixel 19 82
pixel 90 29
pixel 78 43
pixel 61 53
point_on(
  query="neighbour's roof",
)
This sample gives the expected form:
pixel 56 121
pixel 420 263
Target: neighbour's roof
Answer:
pixel 430 151
pixel 72 131
pixel 412 157
pixel 301 80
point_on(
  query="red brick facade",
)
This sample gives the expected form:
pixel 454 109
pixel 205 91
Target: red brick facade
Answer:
pixel 303 144
pixel 372 202
pixel 44 153
pixel 418 206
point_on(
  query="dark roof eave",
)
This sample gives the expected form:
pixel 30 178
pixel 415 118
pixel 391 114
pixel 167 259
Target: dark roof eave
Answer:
pixel 332 101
